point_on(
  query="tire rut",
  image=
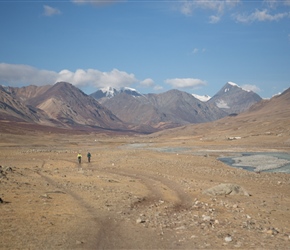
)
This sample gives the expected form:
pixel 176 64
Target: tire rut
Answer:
pixel 160 187
pixel 104 230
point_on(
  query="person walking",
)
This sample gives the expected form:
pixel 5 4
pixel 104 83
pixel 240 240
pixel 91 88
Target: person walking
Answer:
pixel 80 158
pixel 89 156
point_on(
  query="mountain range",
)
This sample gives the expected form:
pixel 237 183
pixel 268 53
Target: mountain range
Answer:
pixel 64 105
pixel 268 120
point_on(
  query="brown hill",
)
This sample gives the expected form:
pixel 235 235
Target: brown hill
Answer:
pixel 72 107
pixel 28 92
pixel 12 109
pixel 60 104
pixel 268 119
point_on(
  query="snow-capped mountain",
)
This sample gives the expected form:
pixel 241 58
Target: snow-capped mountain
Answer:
pixel 64 105
pixel 203 98
pixel 234 99
pixel 109 92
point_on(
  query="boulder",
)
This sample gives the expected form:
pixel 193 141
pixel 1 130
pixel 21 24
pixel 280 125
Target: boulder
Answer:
pixel 226 189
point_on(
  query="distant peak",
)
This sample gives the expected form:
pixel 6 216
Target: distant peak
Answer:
pixel 112 91
pixel 109 91
pixel 236 85
pixel 233 84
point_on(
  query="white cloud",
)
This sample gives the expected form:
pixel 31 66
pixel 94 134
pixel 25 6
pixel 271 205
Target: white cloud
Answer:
pixel 96 78
pixel 186 8
pixel 261 16
pixel 50 11
pixel 214 19
pixel 185 82
pixel 97 2
pixel 219 6
pixel 275 3
pixel 17 75
pixel 147 82
pixel 250 87
pixel 197 50
pixel 158 88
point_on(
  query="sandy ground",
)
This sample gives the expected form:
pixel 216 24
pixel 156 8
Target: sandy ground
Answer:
pixel 138 192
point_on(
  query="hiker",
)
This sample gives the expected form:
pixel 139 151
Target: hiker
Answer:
pixel 79 157
pixel 89 156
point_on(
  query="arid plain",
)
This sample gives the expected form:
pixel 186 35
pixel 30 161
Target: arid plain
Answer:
pixel 142 191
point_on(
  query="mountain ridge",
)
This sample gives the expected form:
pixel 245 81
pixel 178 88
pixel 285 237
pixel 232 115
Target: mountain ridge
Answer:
pixel 63 104
pixel 267 118
pixel 232 98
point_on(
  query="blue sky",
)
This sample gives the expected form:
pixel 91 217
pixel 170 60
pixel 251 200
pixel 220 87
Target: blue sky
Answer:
pixel 152 46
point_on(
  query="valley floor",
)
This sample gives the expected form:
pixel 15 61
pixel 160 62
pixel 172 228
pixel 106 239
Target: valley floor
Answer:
pixel 135 195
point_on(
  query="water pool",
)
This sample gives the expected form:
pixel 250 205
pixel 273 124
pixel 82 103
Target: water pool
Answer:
pixel 260 161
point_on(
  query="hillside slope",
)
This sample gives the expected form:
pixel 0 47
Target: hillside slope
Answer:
pixel 166 110
pixel 268 119
pixel 233 99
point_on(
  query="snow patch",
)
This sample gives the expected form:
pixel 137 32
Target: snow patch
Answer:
pixel 109 91
pixel 6 88
pixel 236 85
pixel 128 88
pixel 203 98
pixel 222 104
pixel 233 84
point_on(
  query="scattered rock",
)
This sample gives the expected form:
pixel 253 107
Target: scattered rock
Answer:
pixel 226 189
pixel 45 196
pixel 139 220
pixel 8 169
pixel 228 238
pixel 272 231
pixel 111 180
pixel 234 138
pixel 180 228
pixel 206 218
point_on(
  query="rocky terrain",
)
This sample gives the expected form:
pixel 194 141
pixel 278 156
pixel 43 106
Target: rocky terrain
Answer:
pixel 165 190
pixel 58 105
pixel 138 192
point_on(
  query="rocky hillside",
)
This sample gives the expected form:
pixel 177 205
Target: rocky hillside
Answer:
pixel 233 99
pixel 12 109
pixel 268 119
pixel 166 110
pixel 64 105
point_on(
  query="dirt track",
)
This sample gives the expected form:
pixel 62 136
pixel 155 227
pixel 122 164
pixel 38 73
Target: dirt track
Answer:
pixel 134 197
